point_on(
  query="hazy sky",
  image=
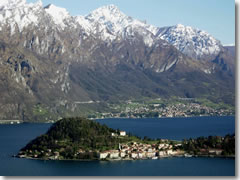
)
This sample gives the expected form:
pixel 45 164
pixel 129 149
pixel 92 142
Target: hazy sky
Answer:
pixel 217 17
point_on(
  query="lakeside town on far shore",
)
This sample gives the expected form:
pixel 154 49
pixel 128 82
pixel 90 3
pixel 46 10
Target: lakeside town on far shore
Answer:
pixel 151 108
pixel 158 108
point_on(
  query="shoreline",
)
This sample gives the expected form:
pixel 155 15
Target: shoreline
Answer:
pixel 94 119
pixel 128 159
pixel 158 117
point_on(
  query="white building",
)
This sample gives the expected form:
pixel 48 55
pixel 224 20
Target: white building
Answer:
pixel 103 155
pixel 134 155
pixel 160 146
pixel 114 154
pixel 151 154
pixel 141 155
pixel 215 151
pixel 178 145
pixel 122 133
pixel 150 150
pixel 161 153
pixel 170 151
pixel 122 154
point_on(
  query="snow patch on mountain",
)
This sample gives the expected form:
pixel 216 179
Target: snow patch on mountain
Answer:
pixel 81 20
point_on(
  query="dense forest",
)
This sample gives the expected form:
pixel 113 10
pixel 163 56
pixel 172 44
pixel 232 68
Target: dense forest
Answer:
pixel 201 144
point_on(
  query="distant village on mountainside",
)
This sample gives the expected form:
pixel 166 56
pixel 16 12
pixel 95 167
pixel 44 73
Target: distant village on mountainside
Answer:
pixel 157 108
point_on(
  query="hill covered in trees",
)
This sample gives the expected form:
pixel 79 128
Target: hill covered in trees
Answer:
pixel 75 138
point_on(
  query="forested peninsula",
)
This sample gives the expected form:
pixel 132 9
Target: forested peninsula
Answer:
pixel 83 139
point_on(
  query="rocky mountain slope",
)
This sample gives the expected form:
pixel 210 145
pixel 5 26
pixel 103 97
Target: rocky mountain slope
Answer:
pixel 53 64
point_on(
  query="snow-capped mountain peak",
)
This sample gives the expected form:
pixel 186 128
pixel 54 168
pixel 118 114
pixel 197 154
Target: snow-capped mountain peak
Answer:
pixel 110 17
pixel 106 13
pixel 58 14
pixel 107 23
pixel 113 23
pixel 192 42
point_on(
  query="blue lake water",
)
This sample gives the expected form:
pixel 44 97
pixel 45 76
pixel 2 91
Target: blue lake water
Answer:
pixel 174 128
pixel 14 137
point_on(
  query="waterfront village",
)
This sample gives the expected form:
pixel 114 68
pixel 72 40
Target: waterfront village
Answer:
pixel 144 110
pixel 164 148
pixel 134 150
pixel 131 151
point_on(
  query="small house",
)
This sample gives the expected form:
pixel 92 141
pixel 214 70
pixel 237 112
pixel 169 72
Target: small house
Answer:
pixel 134 155
pixel 170 151
pixel 141 155
pixel 122 154
pixel 114 154
pixel 160 146
pixel 161 153
pixel 150 154
pixel 122 133
pixel 150 150
pixel 103 155
pixel 215 151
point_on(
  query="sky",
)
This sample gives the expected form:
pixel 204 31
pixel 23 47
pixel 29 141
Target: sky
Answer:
pixel 217 17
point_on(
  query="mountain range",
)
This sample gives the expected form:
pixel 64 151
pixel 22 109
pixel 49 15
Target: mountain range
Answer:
pixel 52 63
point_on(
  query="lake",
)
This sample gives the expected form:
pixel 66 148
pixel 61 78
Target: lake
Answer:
pixel 14 137
pixel 174 128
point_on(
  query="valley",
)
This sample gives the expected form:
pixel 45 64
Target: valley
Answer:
pixel 50 61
